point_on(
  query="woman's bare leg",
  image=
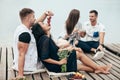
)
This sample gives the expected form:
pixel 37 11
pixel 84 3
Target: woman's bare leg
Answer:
pixel 88 62
pixel 104 67
pixel 85 60
pixel 83 67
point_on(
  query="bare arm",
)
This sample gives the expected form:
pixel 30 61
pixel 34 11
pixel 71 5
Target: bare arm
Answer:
pixel 63 61
pixel 102 34
pixel 101 41
pixel 43 17
pixel 22 47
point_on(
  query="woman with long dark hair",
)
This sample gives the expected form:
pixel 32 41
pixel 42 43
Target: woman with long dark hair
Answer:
pixel 48 54
pixel 73 27
pixel 72 20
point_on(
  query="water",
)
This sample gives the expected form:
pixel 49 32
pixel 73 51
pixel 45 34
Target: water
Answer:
pixel 109 11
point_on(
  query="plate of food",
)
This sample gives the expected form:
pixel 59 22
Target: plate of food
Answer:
pixel 76 76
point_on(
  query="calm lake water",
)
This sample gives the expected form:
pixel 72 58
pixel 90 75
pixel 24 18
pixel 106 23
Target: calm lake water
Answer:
pixel 109 15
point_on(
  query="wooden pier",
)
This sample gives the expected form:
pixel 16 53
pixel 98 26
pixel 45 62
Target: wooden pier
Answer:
pixel 112 53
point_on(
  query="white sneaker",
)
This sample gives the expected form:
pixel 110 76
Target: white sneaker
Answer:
pixel 98 55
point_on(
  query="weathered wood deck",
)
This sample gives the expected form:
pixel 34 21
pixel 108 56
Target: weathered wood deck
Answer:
pixel 114 48
pixel 6 59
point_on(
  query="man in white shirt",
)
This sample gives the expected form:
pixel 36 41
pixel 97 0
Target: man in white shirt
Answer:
pixel 25 50
pixel 95 32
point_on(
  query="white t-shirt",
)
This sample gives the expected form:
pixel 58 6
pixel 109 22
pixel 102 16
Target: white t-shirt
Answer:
pixel 92 32
pixel 31 63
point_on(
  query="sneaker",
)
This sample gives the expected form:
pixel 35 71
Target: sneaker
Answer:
pixel 99 54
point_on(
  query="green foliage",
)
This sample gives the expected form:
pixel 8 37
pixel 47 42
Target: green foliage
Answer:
pixel 64 54
pixel 22 79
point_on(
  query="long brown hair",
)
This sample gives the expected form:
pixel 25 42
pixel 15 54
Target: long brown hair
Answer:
pixel 72 20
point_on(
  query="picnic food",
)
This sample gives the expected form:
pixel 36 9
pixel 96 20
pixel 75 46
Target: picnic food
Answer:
pixel 76 76
pixel 49 20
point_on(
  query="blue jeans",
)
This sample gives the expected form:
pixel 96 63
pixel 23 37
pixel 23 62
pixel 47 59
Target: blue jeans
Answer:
pixel 87 45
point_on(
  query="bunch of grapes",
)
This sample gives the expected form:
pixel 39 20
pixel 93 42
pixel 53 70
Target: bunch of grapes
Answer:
pixel 49 20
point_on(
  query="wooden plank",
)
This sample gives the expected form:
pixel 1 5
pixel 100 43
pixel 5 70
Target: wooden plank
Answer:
pixel 112 58
pixel 113 74
pixel 95 76
pixel 116 49
pixel 103 76
pixel 113 77
pixel 112 55
pixel 45 76
pixel 12 53
pixel 112 48
pixel 109 57
pixel 117 46
pixel 3 64
pixel 63 78
pixel 37 76
pixel 29 77
pixel 88 77
pixel 113 67
pixel 10 73
pixel 106 76
pixel 54 78
pixel 0 53
pixel 107 62
pixel 112 62
pixel 116 74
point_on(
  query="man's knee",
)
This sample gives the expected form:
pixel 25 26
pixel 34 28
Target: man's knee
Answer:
pixel 95 44
pixel 84 46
